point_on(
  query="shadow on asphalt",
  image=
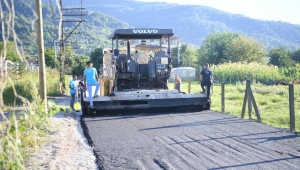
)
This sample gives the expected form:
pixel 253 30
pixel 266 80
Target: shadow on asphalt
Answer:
pixel 116 116
pixel 267 139
pixel 255 163
pixel 202 123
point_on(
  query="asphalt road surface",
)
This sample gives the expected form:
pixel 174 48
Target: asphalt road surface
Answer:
pixel 199 140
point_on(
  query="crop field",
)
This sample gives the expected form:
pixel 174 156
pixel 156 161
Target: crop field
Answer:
pixel 272 101
pixel 238 72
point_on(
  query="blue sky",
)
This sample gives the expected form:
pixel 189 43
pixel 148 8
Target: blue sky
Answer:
pixel 272 10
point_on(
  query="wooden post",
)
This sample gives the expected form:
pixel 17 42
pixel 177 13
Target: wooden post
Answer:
pixel 41 55
pixel 255 106
pixel 292 108
pixel 223 97
pixel 189 86
pixel 245 98
pixel 249 95
pixel 249 105
pixel 61 55
pixel 101 86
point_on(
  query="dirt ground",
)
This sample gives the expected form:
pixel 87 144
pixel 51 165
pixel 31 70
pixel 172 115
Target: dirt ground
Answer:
pixel 66 147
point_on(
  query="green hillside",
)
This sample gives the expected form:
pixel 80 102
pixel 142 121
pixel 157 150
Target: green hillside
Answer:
pixel 93 32
pixel 193 22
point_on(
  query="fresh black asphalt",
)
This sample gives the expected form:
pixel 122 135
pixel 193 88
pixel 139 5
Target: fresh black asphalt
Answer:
pixel 199 140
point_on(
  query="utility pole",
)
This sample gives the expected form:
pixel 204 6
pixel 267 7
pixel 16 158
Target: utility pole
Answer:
pixel 178 54
pixel 62 39
pixel 61 57
pixel 56 49
pixel 41 55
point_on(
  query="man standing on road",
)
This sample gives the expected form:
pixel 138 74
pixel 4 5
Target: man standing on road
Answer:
pixel 206 79
pixel 72 87
pixel 177 83
pixel 90 79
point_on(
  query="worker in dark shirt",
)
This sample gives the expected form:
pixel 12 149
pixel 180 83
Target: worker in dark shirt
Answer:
pixel 206 79
pixel 81 87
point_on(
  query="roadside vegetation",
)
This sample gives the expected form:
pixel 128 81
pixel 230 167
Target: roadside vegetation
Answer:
pixel 23 129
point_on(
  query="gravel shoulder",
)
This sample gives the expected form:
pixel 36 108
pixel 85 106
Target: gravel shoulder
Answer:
pixel 66 147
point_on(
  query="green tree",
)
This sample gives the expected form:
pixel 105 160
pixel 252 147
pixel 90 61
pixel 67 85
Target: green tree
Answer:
pixel 11 53
pixel 69 55
pixel 97 58
pixel 224 47
pixel 281 57
pixel 174 57
pixel 187 57
pixel 247 49
pixel 214 47
pixel 49 57
pixel 80 65
pixel 296 56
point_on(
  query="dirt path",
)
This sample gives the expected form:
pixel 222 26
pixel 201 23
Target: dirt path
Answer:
pixel 66 147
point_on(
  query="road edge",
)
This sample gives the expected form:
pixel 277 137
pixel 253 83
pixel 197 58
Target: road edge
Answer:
pixel 99 159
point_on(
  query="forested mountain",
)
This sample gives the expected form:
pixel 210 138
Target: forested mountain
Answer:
pixel 193 23
pixel 93 32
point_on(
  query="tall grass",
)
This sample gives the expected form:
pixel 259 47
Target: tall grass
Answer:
pixel 22 131
pixel 24 82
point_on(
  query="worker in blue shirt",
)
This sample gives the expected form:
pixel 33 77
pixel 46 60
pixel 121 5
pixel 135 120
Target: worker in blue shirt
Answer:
pixel 90 79
pixel 206 79
pixel 72 87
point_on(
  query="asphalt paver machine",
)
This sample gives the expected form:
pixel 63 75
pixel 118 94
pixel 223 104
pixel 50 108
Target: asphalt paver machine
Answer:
pixel 135 78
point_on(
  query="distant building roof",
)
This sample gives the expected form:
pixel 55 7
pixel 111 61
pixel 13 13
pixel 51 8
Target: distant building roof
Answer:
pixel 32 60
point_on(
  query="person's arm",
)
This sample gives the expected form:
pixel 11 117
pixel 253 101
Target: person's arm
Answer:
pixel 96 74
pixel 70 85
pixel 201 76
pixel 179 81
pixel 174 82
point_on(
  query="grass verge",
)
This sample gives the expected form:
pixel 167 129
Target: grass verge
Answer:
pixel 272 101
